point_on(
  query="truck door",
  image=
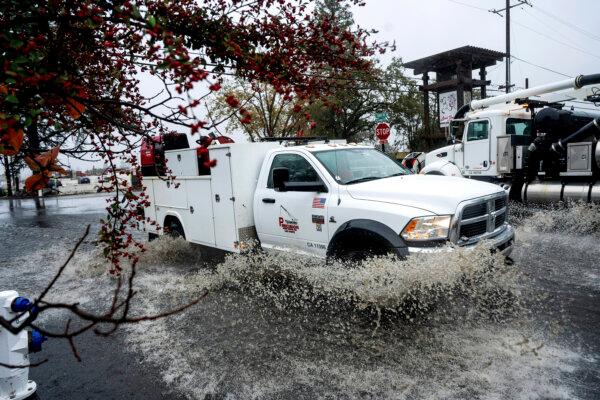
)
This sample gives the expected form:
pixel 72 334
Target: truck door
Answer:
pixel 290 219
pixel 477 147
pixel 223 200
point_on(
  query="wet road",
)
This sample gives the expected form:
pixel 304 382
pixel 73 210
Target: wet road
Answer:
pixel 38 236
pixel 280 327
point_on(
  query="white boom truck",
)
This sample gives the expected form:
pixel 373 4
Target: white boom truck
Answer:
pixel 538 149
pixel 328 200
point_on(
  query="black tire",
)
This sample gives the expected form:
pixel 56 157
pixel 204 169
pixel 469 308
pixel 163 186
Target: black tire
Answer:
pixel 357 250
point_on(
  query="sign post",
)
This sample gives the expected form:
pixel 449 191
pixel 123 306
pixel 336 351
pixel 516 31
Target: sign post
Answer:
pixel 382 131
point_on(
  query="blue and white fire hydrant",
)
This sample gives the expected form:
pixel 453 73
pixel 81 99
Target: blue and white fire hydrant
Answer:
pixel 15 349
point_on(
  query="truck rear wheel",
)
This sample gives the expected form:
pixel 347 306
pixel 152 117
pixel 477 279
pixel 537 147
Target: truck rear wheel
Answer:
pixel 173 227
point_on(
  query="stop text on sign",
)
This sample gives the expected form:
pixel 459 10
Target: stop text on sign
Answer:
pixel 382 131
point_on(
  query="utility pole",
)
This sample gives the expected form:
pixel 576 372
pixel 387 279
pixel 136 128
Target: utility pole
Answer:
pixel 507 46
pixel 508 85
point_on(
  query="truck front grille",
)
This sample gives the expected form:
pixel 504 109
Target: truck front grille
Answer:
pixel 500 219
pixel 474 210
pixel 482 218
pixel 474 229
pixel 500 203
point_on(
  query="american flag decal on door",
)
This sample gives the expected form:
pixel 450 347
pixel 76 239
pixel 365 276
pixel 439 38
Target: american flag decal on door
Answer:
pixel 318 202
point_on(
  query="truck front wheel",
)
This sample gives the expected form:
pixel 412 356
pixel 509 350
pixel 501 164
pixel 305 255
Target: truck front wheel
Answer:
pixel 358 250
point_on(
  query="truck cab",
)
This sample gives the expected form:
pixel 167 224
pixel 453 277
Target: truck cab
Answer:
pixel 481 143
pixel 347 200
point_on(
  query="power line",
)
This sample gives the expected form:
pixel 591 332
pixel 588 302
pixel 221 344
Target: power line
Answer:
pixel 526 27
pixel 570 25
pixel 545 25
pixel 468 5
pixel 557 41
pixel 539 66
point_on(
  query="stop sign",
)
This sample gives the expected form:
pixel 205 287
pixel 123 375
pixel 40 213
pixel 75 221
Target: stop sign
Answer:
pixel 382 131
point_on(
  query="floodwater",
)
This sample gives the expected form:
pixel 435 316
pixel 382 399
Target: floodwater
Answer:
pixel 457 325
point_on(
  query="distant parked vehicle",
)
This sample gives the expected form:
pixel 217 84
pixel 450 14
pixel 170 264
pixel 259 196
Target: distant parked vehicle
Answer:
pixel 54 183
pixel 52 187
pixel 104 181
pixel 83 180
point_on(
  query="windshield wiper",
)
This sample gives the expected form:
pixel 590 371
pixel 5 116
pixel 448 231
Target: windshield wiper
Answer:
pixel 363 179
pixel 396 174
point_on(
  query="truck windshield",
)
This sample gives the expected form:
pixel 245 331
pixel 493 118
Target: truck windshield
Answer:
pixel 515 126
pixel 348 166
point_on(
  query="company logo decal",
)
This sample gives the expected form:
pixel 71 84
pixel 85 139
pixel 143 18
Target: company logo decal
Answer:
pixel 289 224
pixel 319 202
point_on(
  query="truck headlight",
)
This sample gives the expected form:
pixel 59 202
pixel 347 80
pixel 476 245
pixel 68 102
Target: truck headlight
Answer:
pixel 427 228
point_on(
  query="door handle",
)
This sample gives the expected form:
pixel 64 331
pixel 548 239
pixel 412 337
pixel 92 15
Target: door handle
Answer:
pixel 268 200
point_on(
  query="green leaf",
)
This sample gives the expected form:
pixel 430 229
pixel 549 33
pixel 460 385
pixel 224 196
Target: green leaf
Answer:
pixel 151 21
pixel 11 98
pixel 20 59
pixel 10 80
pixel 136 11
pixel 15 43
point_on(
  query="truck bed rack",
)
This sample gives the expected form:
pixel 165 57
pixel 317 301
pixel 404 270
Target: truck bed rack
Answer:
pixel 298 140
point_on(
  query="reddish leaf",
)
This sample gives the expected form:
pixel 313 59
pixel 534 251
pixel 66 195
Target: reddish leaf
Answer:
pixel 32 164
pixel 75 108
pixel 11 142
pixel 47 158
pixel 35 182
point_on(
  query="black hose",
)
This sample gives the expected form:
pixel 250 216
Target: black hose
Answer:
pixel 584 80
pixel 592 127
pixel 462 111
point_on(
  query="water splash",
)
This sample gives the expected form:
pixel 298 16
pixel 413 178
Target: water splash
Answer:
pixel 567 218
pixel 380 286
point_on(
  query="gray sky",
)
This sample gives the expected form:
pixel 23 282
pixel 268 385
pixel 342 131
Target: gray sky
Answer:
pixel 425 27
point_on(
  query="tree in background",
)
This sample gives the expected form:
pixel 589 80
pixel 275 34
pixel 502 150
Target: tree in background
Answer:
pixel 341 113
pixel 348 113
pixel 263 112
pixel 336 12
pixel 403 103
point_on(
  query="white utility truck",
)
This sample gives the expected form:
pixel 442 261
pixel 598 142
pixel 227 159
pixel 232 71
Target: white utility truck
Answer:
pixel 538 148
pixel 324 199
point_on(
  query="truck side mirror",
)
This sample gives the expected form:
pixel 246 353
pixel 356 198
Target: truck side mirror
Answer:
pixel 280 177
